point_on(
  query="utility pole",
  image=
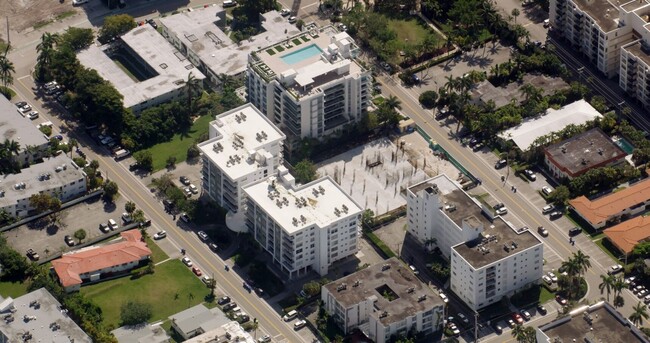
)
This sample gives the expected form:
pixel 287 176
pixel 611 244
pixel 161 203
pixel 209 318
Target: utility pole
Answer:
pixel 475 327
pixel 8 39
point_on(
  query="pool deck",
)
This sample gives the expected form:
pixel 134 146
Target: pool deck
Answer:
pixel 297 56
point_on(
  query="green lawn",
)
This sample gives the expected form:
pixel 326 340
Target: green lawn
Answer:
pixel 157 255
pixel 171 289
pixel 532 296
pixel 179 143
pixel 12 289
pixel 409 32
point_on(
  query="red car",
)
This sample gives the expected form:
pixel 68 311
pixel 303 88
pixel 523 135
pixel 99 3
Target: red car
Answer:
pixel 197 271
pixel 561 300
pixel 518 318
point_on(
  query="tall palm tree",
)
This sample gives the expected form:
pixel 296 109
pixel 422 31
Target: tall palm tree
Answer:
pixel 190 84
pixel 524 334
pixel 607 284
pixel 640 312
pixel 6 70
pixel 515 13
pixel 73 143
pixel 12 146
pixel 450 85
pixel 582 261
pixel 393 102
pixel 45 51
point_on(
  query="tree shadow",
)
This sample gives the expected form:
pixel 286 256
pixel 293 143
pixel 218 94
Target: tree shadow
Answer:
pixel 109 206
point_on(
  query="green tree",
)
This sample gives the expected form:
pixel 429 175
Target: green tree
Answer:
pixel 111 191
pixel 311 288
pixel 129 207
pixel 138 216
pixel 524 334
pixel 144 159
pixel 639 313
pixel 428 99
pixel 560 195
pixel 134 313
pixel 6 70
pixel 46 51
pixel 191 84
pixel 305 171
pixel 40 202
pixel 115 26
pixel 607 284
pixel 80 235
pixel 77 38
pixel 171 161
pixel 515 13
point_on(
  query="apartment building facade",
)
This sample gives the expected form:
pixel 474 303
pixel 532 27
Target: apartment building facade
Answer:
pixel 309 85
pixel 306 227
pixel 244 147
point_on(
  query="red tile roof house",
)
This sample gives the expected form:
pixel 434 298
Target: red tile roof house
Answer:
pixel 95 263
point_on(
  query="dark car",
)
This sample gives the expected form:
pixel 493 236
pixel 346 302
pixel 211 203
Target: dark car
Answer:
pixel 223 300
pixel 152 23
pixel 68 240
pixel 500 164
pixel 213 246
pixel 541 309
pixel 229 306
pixel 168 204
pixel 555 214
pixel 32 255
pixel 184 180
pixel 247 287
pixel 574 231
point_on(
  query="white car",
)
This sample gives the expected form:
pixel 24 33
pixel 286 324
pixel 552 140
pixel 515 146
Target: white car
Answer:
pixel 160 235
pixel 502 211
pixel 264 339
pixel 552 276
pixel 25 108
pixel 285 12
pixel 32 115
pixel 547 279
pixel 547 209
pixel 79 2
pixel 112 224
pixel 193 189
pixel 187 261
pixel 547 190
pixel 617 268
pixel 292 19
pixel 299 324
pixel 444 298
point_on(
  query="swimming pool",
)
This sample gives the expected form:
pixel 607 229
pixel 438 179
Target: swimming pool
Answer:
pixel 299 55
pixel 624 144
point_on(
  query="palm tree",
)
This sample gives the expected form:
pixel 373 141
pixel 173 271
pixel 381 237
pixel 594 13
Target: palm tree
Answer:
pixel 12 146
pixel 582 261
pixel 393 102
pixel 73 143
pixel 45 51
pixel 515 13
pixel 6 69
pixel 640 312
pixel 607 284
pixel 190 84
pixel 531 93
pixel 524 334
pixel 450 85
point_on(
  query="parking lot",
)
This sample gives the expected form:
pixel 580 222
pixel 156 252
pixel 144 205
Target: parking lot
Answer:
pixel 47 239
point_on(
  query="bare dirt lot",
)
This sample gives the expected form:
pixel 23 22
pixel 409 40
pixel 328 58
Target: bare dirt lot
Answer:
pixel 24 14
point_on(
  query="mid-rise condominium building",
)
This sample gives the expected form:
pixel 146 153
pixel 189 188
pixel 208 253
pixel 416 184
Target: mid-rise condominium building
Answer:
pixel 244 147
pixel 58 176
pixel 32 143
pixel 498 263
pixel 309 84
pixel 612 35
pixel 384 300
pixel 303 228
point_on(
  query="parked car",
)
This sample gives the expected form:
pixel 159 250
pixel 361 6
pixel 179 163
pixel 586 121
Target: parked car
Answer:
pixel 32 115
pixel 615 269
pixel 184 180
pixel 185 218
pixel 187 261
pixel 33 255
pixel 126 218
pixel 299 324
pixel 541 309
pixel 202 235
pixel 25 108
pixel 193 189
pixel 213 246
pixel 547 190
pixel 79 2
pixel 498 329
pixel 574 231
pixel 517 318
pixel 547 23
pixel 223 300
pixel 547 209
pixel 547 280
pixel 542 231
pixel 555 214
pixel 152 23
pixel 463 318
pixel 498 206
pixel 197 271
pixel 68 240
pixel 561 300
pixel 160 235
pixel 386 66
pixel 168 204
pixel 292 19
pixel 502 211
pixel 290 315
pixel 500 164
pixel 511 323
pixel 530 175
pixel 104 227
pixel 285 12
pixel 112 224
pixel 20 104
pixel 229 3
pixel 552 276
pixel 187 191
pixel 264 339
pixel 525 314
pixel 444 297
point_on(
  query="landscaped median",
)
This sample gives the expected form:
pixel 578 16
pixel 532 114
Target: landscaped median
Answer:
pixel 383 248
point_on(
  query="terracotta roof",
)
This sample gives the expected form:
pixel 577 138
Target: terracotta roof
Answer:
pixel 69 266
pixel 629 233
pixel 603 208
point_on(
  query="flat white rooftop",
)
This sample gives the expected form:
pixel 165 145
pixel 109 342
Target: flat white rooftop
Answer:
pixel 238 134
pixel 198 31
pixel 525 134
pixel 321 202
pixel 15 127
pixel 60 171
pixel 171 67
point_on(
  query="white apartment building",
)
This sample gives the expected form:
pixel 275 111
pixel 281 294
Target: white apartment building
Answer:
pixel 498 263
pixel 309 84
pixel 159 71
pixel 383 300
pixel 613 35
pixel 199 35
pixel 57 176
pixel 15 127
pixel 244 147
pixel 306 227
pixel 441 214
